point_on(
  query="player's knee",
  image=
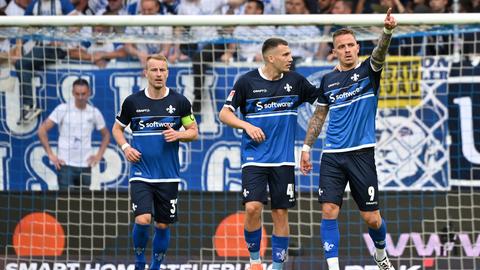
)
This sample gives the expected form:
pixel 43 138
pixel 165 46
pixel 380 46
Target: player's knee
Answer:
pixel 373 220
pixel 330 211
pixel 253 209
pixel 144 219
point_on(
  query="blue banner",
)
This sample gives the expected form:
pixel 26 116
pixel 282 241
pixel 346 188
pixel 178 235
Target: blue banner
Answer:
pixel 412 143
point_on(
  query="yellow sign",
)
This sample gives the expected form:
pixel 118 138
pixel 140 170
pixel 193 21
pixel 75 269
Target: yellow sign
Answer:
pixel 400 82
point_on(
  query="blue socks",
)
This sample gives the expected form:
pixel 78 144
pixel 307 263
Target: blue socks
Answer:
pixel 253 243
pixel 159 247
pixel 279 251
pixel 330 237
pixel 378 236
pixel 140 239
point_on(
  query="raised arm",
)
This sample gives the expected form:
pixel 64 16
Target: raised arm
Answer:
pixel 314 128
pixel 380 51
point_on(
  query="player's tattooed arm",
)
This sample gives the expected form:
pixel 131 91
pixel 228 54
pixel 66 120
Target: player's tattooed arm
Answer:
pixel 380 52
pixel 315 125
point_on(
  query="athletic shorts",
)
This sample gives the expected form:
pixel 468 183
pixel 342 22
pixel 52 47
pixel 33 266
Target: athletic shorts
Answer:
pixel 355 167
pixel 158 199
pixel 280 182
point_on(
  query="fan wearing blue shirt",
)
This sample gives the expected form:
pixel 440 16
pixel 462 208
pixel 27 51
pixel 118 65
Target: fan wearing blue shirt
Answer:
pixel 350 94
pixel 268 98
pixel 155 116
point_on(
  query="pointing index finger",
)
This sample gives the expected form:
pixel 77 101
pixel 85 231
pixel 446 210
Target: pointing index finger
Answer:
pixel 389 11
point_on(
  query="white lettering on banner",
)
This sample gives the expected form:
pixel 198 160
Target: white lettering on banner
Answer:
pixel 209 125
pixel 435 69
pixel 12 113
pixel 433 247
pixel 113 172
pixel 123 84
pixel 216 176
pixel 110 266
pixel 466 125
pixel 5 154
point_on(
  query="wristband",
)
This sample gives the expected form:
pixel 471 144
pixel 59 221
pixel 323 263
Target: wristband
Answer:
pixel 306 148
pixel 125 146
pixel 387 31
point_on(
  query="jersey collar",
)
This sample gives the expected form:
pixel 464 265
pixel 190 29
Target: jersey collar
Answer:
pixel 166 93
pixel 265 77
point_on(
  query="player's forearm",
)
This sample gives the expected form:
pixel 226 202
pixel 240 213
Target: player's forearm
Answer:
pixel 380 52
pixel 229 118
pixel 190 134
pixel 117 132
pixel 315 125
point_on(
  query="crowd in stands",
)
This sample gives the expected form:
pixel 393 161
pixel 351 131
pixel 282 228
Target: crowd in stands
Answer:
pixel 40 53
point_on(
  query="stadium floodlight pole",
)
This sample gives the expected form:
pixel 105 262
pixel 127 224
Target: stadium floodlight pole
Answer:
pixel 228 20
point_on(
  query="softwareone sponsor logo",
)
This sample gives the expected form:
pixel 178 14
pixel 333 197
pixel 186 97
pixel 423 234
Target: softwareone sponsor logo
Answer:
pixel 273 105
pixel 344 95
pixel 142 124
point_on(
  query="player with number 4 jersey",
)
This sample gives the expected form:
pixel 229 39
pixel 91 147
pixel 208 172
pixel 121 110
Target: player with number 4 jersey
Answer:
pixel 268 98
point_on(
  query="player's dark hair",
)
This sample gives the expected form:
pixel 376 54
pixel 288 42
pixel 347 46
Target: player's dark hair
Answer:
pixel 259 4
pixel 81 82
pixel 272 43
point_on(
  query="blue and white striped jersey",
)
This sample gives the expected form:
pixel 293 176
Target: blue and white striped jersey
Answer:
pixel 148 118
pixel 352 97
pixel 271 106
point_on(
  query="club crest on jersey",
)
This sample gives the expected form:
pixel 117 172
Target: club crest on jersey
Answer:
pixel 355 77
pixel 230 96
pixel 171 109
pixel 288 87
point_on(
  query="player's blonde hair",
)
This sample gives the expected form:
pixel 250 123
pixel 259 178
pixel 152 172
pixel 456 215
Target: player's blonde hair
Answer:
pixel 157 56
pixel 341 32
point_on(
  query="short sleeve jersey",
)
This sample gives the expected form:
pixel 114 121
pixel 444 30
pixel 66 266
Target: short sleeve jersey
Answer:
pixel 75 127
pixel 352 97
pixel 271 106
pixel 148 118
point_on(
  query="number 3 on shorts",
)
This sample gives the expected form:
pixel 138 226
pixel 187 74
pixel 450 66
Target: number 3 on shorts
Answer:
pixel 291 190
pixel 371 192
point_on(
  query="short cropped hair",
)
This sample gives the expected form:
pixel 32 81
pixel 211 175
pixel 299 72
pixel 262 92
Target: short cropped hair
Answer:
pixel 272 43
pixel 157 56
pixel 81 82
pixel 259 4
pixel 343 31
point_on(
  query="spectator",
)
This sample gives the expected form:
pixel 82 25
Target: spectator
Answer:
pixel 9 54
pixel 101 51
pixel 76 120
pixel 167 7
pixel 17 7
pixel 439 6
pixel 251 51
pixel 204 54
pixel 43 53
pixel 325 49
pixel 142 50
pixel 383 5
pixel 418 6
pixel 324 6
pixel 113 7
pixel 300 51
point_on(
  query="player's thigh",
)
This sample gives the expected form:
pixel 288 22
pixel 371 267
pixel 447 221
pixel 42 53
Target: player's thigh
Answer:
pixel 362 174
pixel 281 183
pixel 66 177
pixel 141 197
pixel 165 202
pixel 254 184
pixel 333 180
